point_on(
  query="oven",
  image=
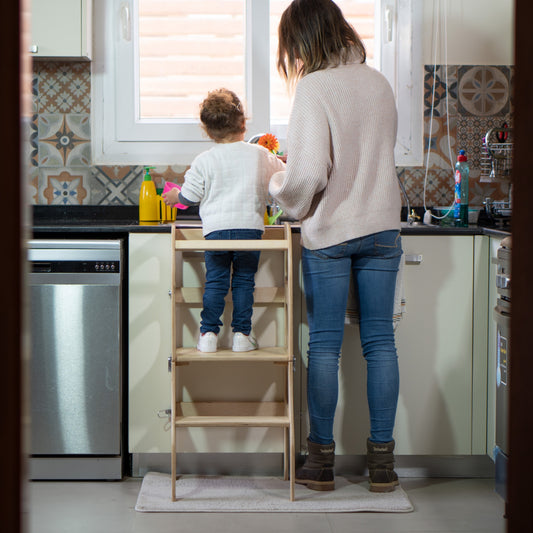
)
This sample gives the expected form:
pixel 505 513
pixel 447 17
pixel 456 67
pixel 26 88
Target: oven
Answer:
pixel 502 317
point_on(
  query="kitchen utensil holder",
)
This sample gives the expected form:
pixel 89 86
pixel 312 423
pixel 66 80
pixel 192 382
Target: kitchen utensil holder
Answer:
pixel 497 156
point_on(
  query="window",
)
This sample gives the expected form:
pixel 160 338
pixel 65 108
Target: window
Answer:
pixel 155 60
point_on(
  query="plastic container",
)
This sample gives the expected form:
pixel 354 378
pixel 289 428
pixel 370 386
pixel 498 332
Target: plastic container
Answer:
pixel 460 207
pixel 148 203
pixel 168 186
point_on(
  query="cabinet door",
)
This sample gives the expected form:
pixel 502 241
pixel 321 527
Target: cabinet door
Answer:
pixel 150 348
pixel 149 340
pixel 61 28
pixel 434 342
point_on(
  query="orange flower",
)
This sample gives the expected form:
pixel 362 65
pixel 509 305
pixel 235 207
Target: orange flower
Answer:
pixel 270 142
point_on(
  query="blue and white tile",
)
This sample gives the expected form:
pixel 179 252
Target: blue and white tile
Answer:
pixel 64 87
pixel 479 191
pixel 33 127
pixel 35 92
pixel 484 90
pixel 440 90
pixel 64 186
pixel 64 140
pixel 116 185
pixel 440 139
pixel 32 189
pixel 471 132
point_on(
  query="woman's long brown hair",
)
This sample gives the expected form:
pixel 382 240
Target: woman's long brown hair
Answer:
pixel 313 35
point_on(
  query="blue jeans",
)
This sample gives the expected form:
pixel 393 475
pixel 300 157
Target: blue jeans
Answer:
pixel 373 260
pixel 218 274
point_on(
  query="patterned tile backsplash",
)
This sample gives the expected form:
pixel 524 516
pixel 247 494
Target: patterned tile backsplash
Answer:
pixel 461 103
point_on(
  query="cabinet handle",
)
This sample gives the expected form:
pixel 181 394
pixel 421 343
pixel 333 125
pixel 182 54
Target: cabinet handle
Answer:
pixel 34 49
pixel 413 259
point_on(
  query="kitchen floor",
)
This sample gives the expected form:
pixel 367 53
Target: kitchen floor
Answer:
pixel 441 506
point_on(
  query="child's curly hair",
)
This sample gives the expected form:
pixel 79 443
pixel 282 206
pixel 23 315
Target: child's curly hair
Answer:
pixel 222 114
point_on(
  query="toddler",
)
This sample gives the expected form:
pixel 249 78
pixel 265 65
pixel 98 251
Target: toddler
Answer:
pixel 230 184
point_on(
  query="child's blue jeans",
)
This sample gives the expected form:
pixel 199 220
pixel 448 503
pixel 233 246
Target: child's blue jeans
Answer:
pixel 225 268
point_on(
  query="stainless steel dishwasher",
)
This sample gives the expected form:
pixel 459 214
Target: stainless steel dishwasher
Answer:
pixel 74 304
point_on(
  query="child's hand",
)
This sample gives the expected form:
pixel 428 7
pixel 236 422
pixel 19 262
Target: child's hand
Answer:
pixel 171 197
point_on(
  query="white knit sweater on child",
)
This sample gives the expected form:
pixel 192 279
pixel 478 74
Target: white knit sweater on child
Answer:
pixel 340 180
pixel 230 182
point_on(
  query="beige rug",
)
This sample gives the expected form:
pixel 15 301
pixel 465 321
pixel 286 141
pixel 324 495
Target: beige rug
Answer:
pixel 262 494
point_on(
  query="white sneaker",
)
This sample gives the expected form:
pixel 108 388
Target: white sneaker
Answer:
pixel 207 342
pixel 243 343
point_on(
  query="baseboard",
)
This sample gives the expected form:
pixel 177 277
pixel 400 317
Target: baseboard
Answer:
pixel 74 468
pixel 271 464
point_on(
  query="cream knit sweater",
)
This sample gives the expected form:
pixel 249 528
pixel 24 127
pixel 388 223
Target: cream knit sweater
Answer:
pixel 230 182
pixel 340 180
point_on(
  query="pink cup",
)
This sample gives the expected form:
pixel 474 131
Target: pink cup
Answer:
pixel 168 186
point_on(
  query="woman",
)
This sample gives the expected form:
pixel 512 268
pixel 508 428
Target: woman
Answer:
pixel 341 183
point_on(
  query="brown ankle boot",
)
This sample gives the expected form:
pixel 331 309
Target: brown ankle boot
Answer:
pixel 317 471
pixel 380 462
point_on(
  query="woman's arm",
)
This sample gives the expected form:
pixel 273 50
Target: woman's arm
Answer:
pixel 309 157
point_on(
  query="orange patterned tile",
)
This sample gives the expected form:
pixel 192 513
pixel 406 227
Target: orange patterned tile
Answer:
pixel 64 87
pixel 64 188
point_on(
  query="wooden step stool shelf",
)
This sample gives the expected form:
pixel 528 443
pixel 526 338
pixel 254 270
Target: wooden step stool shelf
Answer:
pixel 235 413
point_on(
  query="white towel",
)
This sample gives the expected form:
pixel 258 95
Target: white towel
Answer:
pixel 352 308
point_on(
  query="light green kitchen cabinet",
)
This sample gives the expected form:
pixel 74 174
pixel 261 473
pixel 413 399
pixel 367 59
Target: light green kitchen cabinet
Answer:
pixel 481 315
pixel 435 348
pixel 149 341
pixel 150 348
pixel 446 378
pixel 61 29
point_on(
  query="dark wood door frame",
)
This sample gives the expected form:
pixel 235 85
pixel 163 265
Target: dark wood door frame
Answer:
pixel 11 307
pixel 520 490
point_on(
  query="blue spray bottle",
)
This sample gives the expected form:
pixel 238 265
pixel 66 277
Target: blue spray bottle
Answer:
pixel 460 206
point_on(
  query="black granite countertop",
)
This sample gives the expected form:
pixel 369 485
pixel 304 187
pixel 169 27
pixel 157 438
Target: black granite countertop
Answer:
pixel 69 221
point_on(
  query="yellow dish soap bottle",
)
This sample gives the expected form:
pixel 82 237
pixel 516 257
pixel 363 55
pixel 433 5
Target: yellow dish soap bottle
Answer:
pixel 148 204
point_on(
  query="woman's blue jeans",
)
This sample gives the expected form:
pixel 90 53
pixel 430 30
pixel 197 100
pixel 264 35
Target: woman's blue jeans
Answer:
pixel 218 275
pixel 373 260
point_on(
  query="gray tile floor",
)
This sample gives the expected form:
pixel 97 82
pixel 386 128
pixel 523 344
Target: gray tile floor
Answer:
pixel 441 506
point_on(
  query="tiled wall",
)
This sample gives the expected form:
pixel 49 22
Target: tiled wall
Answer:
pixel 61 171
pixel 467 102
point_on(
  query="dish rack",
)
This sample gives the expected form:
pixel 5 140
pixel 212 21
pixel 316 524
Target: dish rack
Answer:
pixel 497 155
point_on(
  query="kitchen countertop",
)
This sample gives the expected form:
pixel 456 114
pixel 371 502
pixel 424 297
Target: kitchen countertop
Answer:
pixel 70 221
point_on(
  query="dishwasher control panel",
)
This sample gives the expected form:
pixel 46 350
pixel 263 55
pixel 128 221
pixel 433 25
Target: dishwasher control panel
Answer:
pixel 45 267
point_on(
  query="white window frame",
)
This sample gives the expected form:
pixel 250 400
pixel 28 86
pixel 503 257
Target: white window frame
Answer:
pixel 399 30
pixel 120 137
